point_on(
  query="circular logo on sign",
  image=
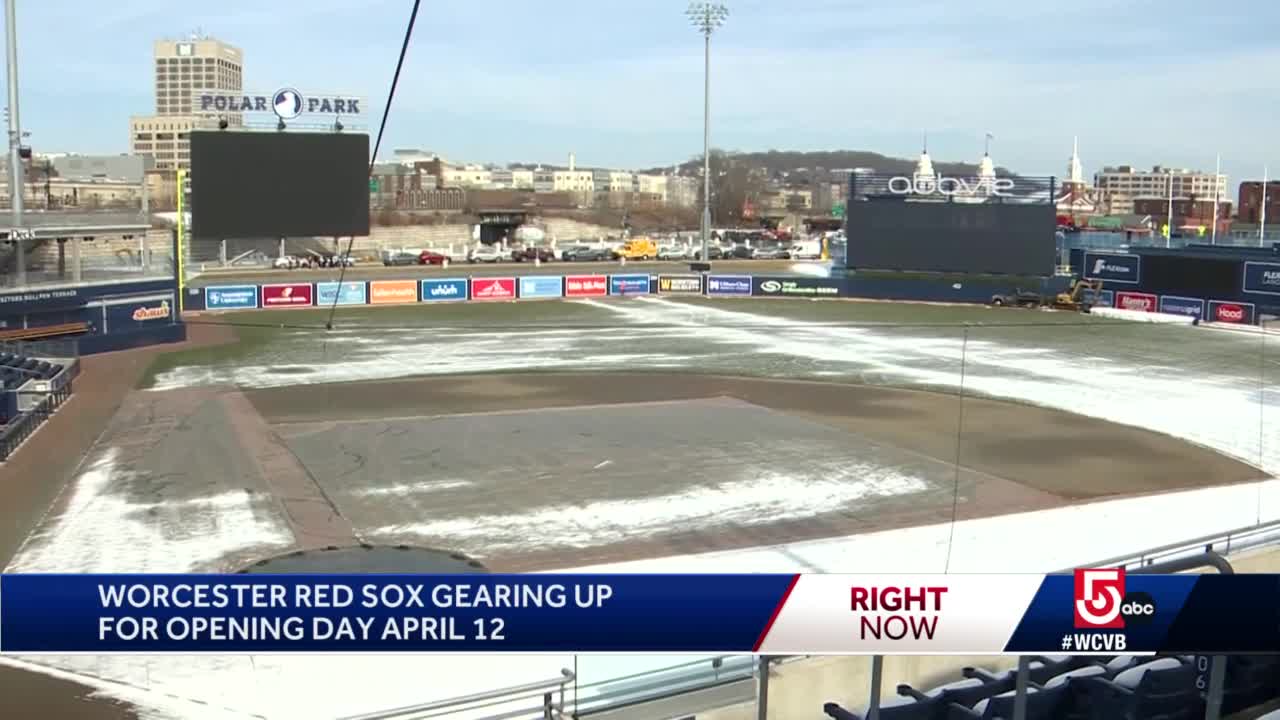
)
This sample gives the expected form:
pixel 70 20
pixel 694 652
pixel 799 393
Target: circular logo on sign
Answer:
pixel 771 286
pixel 287 104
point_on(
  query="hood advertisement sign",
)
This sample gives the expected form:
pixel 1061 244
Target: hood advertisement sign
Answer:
pixel 349 293
pixel 1175 305
pixel 291 295
pixel 285 103
pixel 628 284
pixel 1233 313
pixel 1260 277
pixel 1140 302
pixel 393 292
pixel 450 290
pixel 541 286
pixel 231 297
pixel 729 285
pixel 796 287
pixel 493 288
pixel 586 286
pixel 1110 267
pixel 680 284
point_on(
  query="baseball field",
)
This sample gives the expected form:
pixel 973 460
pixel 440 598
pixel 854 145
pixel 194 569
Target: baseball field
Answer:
pixel 627 434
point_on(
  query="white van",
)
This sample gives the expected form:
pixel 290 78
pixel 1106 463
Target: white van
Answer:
pixel 806 250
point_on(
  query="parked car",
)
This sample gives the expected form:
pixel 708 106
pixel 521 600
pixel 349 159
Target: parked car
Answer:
pixel 586 253
pixel 431 257
pixel 673 252
pixel 529 254
pixel 714 252
pixel 485 254
pixel 399 258
pixel 742 252
pixel 772 253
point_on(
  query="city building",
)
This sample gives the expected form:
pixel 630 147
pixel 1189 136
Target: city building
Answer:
pixel 465 176
pixel 682 191
pixel 1185 211
pixel 1076 199
pixel 180 68
pixel 1121 185
pixel 412 156
pixel 512 179
pixel 1250 205
pixel 651 188
pixel 86 168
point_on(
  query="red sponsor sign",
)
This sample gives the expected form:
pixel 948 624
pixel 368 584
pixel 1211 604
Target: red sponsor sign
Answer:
pixel 286 295
pixel 1142 302
pixel 493 288
pixel 586 285
pixel 1225 312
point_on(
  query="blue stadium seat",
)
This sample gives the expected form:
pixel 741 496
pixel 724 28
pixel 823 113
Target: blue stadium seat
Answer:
pixel 898 707
pixel 30 364
pixel 976 686
pixel 1074 704
pixel 1164 689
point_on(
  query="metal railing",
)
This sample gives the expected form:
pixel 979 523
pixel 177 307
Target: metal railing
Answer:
pixel 545 699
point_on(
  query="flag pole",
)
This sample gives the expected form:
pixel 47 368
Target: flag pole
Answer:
pixel 1217 196
pixel 1262 220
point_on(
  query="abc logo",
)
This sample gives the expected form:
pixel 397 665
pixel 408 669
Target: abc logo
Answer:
pixel 1138 608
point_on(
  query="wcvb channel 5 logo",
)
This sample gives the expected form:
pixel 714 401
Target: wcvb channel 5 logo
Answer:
pixel 1101 602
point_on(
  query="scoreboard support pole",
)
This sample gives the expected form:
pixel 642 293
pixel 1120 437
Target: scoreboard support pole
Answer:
pixel 180 243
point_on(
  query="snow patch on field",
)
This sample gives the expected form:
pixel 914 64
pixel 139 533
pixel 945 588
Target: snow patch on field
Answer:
pixel 767 499
pixel 100 531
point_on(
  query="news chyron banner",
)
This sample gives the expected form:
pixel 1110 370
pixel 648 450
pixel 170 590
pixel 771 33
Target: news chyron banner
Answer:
pixel 1096 611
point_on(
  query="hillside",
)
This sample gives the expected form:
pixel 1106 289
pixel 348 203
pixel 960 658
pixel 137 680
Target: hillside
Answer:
pixel 797 166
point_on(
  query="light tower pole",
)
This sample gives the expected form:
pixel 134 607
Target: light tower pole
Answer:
pixel 16 175
pixel 706 17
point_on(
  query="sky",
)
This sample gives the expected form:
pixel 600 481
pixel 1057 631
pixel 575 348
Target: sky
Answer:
pixel 620 84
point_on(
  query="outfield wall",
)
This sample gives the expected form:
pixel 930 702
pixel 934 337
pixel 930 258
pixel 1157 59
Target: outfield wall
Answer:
pixel 972 289
pixel 117 315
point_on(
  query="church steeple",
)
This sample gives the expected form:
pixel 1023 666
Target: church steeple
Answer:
pixel 987 167
pixel 1075 171
pixel 924 166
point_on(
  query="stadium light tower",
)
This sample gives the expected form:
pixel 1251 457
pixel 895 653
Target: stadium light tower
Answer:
pixel 15 128
pixel 706 17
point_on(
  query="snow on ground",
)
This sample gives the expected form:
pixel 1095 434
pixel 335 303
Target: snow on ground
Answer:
pixel 100 530
pixel 762 500
pixel 1222 411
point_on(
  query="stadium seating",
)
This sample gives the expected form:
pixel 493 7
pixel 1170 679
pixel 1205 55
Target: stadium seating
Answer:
pixel 1085 688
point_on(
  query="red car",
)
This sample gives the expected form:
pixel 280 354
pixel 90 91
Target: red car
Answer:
pixel 430 257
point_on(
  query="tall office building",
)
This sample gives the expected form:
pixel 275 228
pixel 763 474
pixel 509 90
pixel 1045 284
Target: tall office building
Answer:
pixel 181 67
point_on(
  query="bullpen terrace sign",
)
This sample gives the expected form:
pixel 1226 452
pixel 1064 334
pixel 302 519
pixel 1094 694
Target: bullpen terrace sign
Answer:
pixel 285 103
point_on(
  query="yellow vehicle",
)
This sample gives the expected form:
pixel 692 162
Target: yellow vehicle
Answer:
pixel 641 248
pixel 1080 297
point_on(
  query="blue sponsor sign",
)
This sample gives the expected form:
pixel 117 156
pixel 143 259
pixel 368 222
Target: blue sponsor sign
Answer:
pixel 1104 298
pixel 1260 277
pixel 1113 267
pixel 723 285
pixel 450 290
pixel 628 284
pixel 350 293
pixel 127 314
pixel 231 297
pixel 1176 305
pixel 541 286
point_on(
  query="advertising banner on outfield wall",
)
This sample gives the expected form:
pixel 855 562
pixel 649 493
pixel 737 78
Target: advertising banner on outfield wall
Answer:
pixel 533 287
pixel 487 288
pixel 290 295
pixel 1235 313
pixel 136 313
pixel 1113 267
pixel 447 290
pixel 1176 305
pixel 393 292
pixel 680 284
pixel 586 285
pixel 350 293
pixel 1260 277
pixel 231 297
pixel 1104 298
pixel 1142 302
pixel 729 285
pixel 796 287
pixel 629 284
